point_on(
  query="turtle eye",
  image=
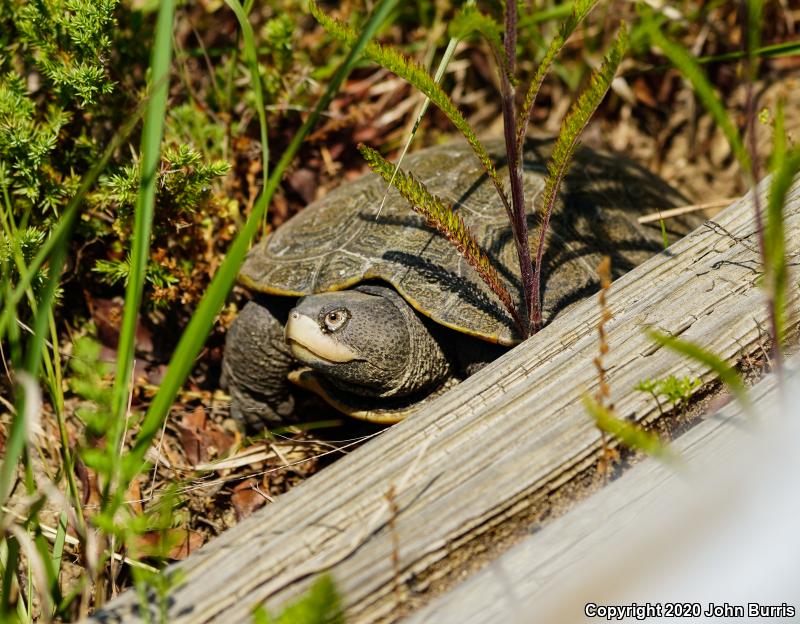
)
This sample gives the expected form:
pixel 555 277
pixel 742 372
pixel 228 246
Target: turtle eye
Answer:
pixel 334 320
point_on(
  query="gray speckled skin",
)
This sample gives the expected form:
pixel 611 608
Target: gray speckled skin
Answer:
pixel 338 243
pixel 255 364
pixel 398 355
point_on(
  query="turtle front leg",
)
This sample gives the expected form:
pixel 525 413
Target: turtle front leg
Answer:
pixel 255 367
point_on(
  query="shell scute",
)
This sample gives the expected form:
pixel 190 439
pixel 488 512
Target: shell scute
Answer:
pixel 341 239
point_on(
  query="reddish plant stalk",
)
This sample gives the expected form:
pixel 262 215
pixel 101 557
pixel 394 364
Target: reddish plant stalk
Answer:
pixel 750 115
pixel 536 302
pixel 777 354
pixel 519 224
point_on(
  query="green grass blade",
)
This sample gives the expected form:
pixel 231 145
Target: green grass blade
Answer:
pixel 150 150
pixel 785 165
pixel 755 9
pixel 630 434
pixel 413 73
pixel 580 10
pixel 251 56
pixel 776 50
pixel 59 541
pixel 56 391
pixel 664 235
pixel 48 566
pixel 720 367
pixel 202 320
pixel 9 558
pixel 690 69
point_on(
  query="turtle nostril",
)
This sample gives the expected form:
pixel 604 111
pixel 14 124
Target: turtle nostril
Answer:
pixel 295 315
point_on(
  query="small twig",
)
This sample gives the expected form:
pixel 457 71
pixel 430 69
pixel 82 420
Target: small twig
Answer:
pixel 682 210
pixel 603 394
pixel 232 478
pixel 262 493
pixel 375 520
pixel 422 109
pixel 158 459
pixel 280 455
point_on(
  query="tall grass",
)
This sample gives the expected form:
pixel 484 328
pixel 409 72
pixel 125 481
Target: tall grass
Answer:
pixel 150 152
pixel 52 253
pixel 202 320
pixel 785 164
pixel 251 56
pixel 117 468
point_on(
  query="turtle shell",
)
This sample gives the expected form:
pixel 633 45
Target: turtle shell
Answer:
pixel 341 239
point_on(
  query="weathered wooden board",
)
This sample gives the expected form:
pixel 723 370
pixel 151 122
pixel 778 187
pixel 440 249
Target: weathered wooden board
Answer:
pixel 488 458
pixel 596 548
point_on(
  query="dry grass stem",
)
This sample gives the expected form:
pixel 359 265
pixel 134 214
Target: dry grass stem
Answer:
pixel 603 395
pixel 158 457
pixel 682 210
pixel 49 533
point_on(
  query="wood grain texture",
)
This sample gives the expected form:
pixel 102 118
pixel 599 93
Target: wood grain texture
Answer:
pixel 488 454
pixel 549 576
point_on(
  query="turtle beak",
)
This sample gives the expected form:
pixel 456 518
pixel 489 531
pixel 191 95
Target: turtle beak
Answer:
pixel 309 343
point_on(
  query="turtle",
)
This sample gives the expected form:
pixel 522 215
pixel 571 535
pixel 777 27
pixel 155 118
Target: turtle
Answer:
pixel 374 311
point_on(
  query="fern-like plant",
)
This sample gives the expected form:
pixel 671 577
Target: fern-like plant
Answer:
pixel 439 214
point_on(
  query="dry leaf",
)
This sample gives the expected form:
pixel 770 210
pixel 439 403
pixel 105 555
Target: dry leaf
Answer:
pixel 173 544
pixel 246 499
pixel 134 497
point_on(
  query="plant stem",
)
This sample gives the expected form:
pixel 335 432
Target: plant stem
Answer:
pixel 519 223
pixel 751 70
pixel 777 355
pixel 536 298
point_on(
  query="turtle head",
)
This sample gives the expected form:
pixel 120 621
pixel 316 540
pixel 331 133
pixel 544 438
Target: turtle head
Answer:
pixel 364 340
